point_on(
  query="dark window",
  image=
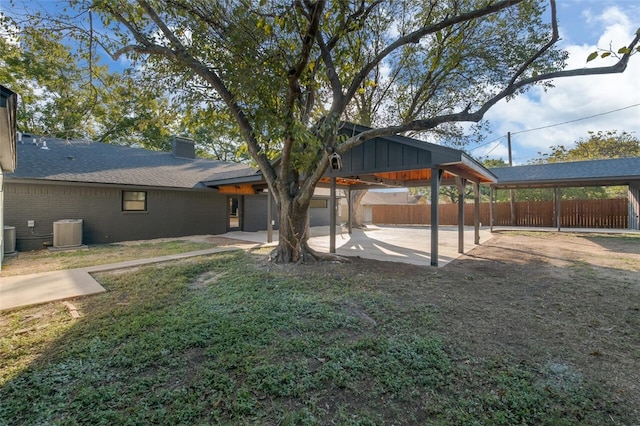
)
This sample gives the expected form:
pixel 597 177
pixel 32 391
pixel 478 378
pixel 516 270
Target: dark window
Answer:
pixel 318 203
pixel 134 201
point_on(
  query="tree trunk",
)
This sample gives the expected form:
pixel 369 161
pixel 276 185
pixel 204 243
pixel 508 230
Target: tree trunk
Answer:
pixel 293 233
pixel 357 210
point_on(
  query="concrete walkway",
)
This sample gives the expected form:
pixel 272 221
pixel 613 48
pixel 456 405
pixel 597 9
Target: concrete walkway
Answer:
pixel 32 289
pixel 391 244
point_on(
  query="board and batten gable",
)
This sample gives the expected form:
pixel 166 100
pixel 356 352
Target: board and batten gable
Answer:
pixel 383 155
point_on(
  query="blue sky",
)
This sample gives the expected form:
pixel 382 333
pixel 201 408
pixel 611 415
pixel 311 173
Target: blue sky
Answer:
pixel 584 25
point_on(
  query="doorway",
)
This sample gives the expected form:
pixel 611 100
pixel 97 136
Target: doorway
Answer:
pixel 235 213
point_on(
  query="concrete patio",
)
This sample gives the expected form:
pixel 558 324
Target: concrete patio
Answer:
pixel 405 244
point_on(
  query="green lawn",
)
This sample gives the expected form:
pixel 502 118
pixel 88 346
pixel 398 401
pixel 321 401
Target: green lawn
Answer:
pixel 227 339
pixel 43 260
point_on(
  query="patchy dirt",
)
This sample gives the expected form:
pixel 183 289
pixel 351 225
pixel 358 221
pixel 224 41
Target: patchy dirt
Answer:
pixel 569 302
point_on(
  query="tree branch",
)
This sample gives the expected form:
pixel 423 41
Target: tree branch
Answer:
pixel 555 36
pixel 417 35
pixel 307 44
pixel 512 88
pixel 313 16
pixel 361 13
pixel 332 75
pixel 181 55
pixel 468 116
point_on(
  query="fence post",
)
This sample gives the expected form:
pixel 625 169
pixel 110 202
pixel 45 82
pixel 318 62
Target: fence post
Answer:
pixel 558 196
pixel 491 195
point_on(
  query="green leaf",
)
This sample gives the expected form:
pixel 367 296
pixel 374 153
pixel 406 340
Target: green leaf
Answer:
pixel 592 56
pixel 624 50
pixel 605 54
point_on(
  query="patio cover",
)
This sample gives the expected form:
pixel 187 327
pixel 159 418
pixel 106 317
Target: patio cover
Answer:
pixel 390 161
pixel 609 172
pixel 615 171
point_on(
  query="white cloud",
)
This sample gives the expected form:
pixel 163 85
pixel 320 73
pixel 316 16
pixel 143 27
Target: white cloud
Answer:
pixel 576 97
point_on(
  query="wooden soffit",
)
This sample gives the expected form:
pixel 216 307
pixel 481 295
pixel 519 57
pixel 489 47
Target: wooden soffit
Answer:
pixel 239 189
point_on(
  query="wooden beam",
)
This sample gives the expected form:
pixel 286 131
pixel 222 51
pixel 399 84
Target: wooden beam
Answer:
pixel 241 189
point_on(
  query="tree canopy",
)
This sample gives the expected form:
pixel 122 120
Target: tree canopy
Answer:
pixel 65 93
pixel 289 71
pixel 597 146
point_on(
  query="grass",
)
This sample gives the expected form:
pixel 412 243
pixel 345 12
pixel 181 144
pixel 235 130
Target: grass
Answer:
pixel 43 260
pixel 223 340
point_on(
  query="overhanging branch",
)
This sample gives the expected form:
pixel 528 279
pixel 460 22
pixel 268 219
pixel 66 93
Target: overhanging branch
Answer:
pixel 467 115
pixel 180 55
pixel 417 35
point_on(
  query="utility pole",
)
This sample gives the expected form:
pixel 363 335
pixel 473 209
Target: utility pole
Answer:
pixel 512 192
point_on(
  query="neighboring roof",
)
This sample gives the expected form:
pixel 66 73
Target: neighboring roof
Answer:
pixel 372 198
pixel 94 162
pixel 618 171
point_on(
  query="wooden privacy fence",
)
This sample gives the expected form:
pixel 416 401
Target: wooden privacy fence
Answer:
pixel 613 213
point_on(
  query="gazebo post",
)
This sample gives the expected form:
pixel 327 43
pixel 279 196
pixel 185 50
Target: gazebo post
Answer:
pixel 332 216
pixel 349 211
pixel 269 218
pixel 436 176
pixel 460 183
pixel 476 213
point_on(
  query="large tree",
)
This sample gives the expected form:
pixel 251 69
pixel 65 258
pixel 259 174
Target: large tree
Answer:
pixel 288 71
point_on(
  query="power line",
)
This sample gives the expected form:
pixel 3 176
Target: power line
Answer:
pixel 549 126
pixel 573 121
pixel 496 145
pixel 488 143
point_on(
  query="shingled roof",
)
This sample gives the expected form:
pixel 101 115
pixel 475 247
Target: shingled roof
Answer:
pixel 617 171
pixel 94 162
